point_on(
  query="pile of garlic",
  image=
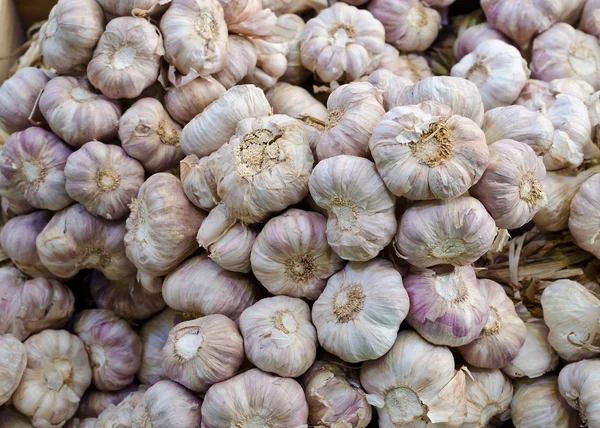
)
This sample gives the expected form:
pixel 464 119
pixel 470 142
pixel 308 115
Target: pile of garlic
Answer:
pixel 272 214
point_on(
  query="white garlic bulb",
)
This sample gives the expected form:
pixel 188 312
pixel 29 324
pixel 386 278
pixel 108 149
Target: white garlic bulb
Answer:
pixel 353 110
pixel 241 61
pixel 217 123
pixel 489 393
pixel 290 256
pixel 498 70
pixel 359 313
pixel 361 211
pixel 133 7
pixel 69 37
pixel 255 398
pixel 271 63
pixel 415 384
pixel 411 66
pixel 583 216
pixel 579 385
pixel 563 51
pixel 186 102
pixel 470 37
pixel 295 101
pixel 447 304
pixel 426 152
pixel 289 30
pixel 538 95
pixel 199 182
pixel 121 414
pixel 247 17
pixel 342 43
pixel 536 357
pixel 14 360
pixel 409 24
pixel 195 35
pixel 264 168
pixel 76 113
pixel 127 58
pixel 389 85
pixel 58 373
pixel 455 231
pixel 95 401
pixel 590 18
pixel 148 134
pixel 572 314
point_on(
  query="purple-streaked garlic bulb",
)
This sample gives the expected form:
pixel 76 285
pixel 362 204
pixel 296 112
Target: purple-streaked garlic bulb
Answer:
pixel 121 414
pixel 186 102
pixel 583 218
pixel 13 355
pixel 469 38
pixel 133 7
pixel 199 182
pixel 590 18
pixel 95 401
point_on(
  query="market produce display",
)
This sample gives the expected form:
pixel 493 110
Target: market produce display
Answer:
pixel 308 213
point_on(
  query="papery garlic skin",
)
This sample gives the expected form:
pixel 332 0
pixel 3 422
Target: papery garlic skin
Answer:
pixel 498 70
pixel 14 360
pixel 290 256
pixel 353 110
pixel 167 404
pixel 415 383
pixel 199 182
pixel 186 102
pixel 361 211
pixel 571 312
pixel 563 51
pixel 334 396
pixel 389 85
pixel 264 168
pixel 289 30
pixel 121 414
pixel 58 373
pixel 195 35
pixel 359 313
pixel 34 161
pixel 583 218
pixel 133 7
pixel 469 38
pixel 217 123
pixel 458 232
pixel 10 418
pixel 409 24
pixel 18 96
pixel 342 43
pixel 255 398
pixel 489 393
pixel 94 401
pixel 295 101
pixel 241 61
pixel 76 113
pixel 447 305
pixel 162 226
pixel 426 152
pixel 590 18
pixel 200 287
pixel 148 134
pixel 579 384
pixel 69 37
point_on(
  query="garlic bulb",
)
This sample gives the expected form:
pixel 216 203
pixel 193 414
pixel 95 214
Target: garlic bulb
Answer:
pixel 289 30
pixel 255 398
pixel 202 352
pixel 264 168
pixel 571 11
pixel 17 239
pixel 34 162
pixel 58 373
pixel 167 404
pixel 247 17
pixel 415 384
pixel 291 256
pixel 12 207
pixel 294 6
pixel 498 70
pixel 563 51
pixel 353 110
pixel 361 211
pixel 571 312
pixel 103 179
pixel 447 304
pixel 389 85
pixel 199 182
pixel 537 403
pixel 520 124
pixel 94 401
pixel 113 347
pixel 121 414
pixel 295 101
pixel 583 223
pixel 334 396
pixel 162 225
pixel 18 96
pixel 217 123
pixel 461 95
pixel 148 134
pixel 126 298
pixel 195 35
pixel 271 63
pixel 75 240
pixel 426 152
pixel 133 7
pixel 14 360
pixel 359 313
pixel 538 95
pixel 76 113
pixel 590 18
pixel 455 231
pixel 241 61
pixel 227 241
pixel 200 287
pixel 82 423
pixel 410 66
pixel 154 335
pixel 279 336
pixel 69 37
pixel 10 418
pixel 579 384
pixel 470 37
pixel 489 393
pixel 342 43
pixel 409 24
pixel 186 102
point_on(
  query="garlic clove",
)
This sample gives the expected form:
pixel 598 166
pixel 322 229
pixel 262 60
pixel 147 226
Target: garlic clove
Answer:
pixel 247 17
pixel 389 85
pixel 120 415
pixel 271 63
pixel 539 96
pixel 199 182
pixel 186 102
pixel 590 18
pixel 295 101
pixel 289 30
pixel 583 216
pixel 94 401
pixel 241 61
pixel 489 394
pixel 579 384
pixel 469 38
pixel 359 313
pixel 410 66
pixel 14 356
